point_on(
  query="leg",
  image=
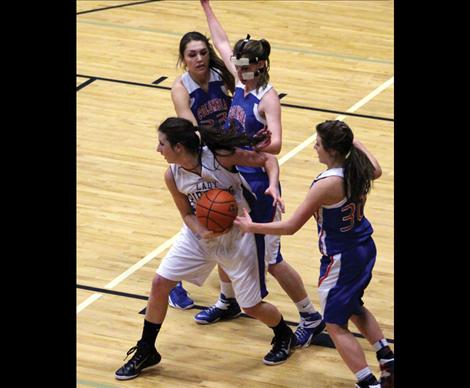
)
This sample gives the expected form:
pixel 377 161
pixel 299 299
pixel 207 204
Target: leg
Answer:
pixel 284 339
pixel 352 354
pixel 157 304
pixel 145 353
pixel 289 279
pixel 348 347
pixel 226 306
pixel 311 323
pixel 370 329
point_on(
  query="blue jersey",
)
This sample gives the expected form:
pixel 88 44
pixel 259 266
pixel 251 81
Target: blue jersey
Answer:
pixel 341 226
pixel 244 114
pixel 209 109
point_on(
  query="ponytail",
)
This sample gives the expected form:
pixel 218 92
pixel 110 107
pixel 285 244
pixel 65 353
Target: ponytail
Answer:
pixel 228 140
pixel 182 131
pixel 358 170
pixel 358 174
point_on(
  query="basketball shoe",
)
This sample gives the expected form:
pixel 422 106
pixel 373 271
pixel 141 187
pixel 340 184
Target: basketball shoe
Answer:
pixel 386 360
pixel 179 298
pixel 213 313
pixel 369 382
pixel 145 356
pixel 281 350
pixel 310 325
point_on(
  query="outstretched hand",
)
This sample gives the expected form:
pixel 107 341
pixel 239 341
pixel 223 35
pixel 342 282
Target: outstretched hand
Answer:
pixel 277 200
pixel 243 222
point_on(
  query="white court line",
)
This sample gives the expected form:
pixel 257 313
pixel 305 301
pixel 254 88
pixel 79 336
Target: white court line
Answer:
pixel 169 242
pixel 355 107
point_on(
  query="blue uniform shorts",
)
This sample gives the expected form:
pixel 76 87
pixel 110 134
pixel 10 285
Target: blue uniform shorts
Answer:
pixel 262 210
pixel 343 279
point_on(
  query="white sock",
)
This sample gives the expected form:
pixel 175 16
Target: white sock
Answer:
pixel 305 306
pixel 227 289
pixel 380 344
pixel 363 373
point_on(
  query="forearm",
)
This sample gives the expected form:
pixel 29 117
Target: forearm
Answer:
pixel 192 223
pixel 219 37
pixel 272 170
pixel 280 228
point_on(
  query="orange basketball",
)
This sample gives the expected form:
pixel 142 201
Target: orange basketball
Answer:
pixel 216 210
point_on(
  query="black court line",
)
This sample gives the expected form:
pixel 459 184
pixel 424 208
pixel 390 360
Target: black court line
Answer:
pixel 117 6
pixel 88 82
pixel 125 82
pixel 338 112
pixel 322 339
pixel 157 81
pixel 282 104
pixel 282 95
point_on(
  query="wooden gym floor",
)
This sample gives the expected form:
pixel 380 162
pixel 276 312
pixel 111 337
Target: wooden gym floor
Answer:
pixel 329 59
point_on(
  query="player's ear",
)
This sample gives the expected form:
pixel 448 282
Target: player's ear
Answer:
pixel 178 147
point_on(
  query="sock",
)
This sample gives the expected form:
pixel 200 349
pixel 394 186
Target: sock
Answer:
pixel 281 329
pixel 150 332
pixel 382 343
pixel 305 306
pixel 364 374
pixel 227 289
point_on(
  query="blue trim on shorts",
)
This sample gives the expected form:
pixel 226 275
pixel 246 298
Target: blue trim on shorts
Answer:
pixel 259 239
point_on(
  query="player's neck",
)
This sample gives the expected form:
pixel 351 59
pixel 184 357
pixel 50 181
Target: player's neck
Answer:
pixel 201 80
pixel 191 163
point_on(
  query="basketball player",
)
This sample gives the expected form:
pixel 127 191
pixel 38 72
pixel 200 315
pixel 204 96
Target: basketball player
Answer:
pixel 202 158
pixel 256 107
pixel 201 95
pixel 336 198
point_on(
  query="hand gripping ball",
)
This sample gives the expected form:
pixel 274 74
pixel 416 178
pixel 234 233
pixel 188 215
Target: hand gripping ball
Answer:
pixel 216 210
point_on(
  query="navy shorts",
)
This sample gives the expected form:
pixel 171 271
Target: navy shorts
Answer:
pixel 262 211
pixel 343 279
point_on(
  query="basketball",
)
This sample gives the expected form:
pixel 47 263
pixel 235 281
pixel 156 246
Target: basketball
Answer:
pixel 216 210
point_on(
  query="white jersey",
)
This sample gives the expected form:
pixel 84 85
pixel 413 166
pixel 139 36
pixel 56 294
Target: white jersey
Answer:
pixel 213 176
pixel 192 259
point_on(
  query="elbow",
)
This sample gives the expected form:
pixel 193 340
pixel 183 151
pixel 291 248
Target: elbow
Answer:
pixel 291 228
pixel 275 147
pixel 377 172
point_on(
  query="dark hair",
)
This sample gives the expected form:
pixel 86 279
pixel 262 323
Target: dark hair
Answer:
pixel 358 169
pixel 215 62
pixel 180 130
pixel 255 50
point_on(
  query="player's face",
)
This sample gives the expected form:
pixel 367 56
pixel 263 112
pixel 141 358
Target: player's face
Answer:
pixel 322 154
pixel 196 57
pixel 246 74
pixel 164 147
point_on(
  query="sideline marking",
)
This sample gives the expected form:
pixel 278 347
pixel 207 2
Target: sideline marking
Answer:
pixel 167 244
pixel 355 107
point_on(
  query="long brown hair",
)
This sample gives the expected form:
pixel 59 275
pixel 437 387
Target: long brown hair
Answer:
pixel 179 130
pixel 358 169
pixel 215 62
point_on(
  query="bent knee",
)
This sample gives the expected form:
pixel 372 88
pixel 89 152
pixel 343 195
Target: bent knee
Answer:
pixel 162 285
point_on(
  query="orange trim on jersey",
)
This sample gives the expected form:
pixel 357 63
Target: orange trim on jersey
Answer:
pixel 327 271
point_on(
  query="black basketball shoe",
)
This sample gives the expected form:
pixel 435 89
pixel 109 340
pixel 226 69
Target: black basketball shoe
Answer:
pixel 281 350
pixel 145 356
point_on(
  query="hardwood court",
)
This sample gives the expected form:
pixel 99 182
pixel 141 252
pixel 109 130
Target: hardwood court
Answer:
pixel 326 57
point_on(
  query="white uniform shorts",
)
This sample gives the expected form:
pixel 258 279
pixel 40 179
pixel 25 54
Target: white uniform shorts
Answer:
pixel 192 260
